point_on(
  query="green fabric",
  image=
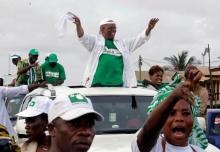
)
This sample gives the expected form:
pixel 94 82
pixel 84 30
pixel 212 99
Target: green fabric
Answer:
pixel 33 52
pixel 197 137
pixel 109 71
pixel 53 74
pixel 52 58
pixel 32 75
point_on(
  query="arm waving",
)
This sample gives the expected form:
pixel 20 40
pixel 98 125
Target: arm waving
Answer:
pixel 79 28
pixel 151 25
pixel 139 40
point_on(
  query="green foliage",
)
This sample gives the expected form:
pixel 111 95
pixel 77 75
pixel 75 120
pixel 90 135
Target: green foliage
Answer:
pixel 180 61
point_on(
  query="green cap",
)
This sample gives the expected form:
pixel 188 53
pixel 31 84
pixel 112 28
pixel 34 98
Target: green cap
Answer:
pixel 33 52
pixel 52 58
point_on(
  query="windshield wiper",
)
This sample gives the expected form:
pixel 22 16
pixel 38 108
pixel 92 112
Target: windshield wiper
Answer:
pixel 118 131
pixel 133 102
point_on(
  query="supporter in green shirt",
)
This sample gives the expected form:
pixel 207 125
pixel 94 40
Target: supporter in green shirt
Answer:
pixel 53 72
pixel 110 63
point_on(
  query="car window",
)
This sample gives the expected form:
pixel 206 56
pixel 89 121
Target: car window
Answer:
pixel 123 114
pixel 215 124
pixel 13 105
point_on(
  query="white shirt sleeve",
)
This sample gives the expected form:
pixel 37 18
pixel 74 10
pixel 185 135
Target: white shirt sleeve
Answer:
pixel 88 41
pixel 137 41
pixel 14 91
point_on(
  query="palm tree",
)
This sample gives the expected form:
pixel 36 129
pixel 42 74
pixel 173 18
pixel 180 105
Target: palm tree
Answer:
pixel 180 62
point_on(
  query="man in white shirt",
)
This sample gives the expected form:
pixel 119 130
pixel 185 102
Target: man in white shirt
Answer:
pixel 110 60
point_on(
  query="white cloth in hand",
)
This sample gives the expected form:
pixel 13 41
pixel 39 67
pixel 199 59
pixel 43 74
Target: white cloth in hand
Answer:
pixel 61 25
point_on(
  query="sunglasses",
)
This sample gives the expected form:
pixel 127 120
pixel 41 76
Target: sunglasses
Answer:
pixel 5 145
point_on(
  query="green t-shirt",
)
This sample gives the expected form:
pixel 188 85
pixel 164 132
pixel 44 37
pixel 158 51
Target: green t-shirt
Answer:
pixel 109 71
pixel 53 74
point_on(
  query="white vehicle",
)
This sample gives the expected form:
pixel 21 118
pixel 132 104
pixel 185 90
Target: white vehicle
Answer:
pixel 124 110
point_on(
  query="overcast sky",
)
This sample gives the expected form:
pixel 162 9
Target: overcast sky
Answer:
pixel 184 25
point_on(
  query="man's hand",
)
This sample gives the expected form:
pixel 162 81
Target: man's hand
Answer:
pixel 151 25
pixel 194 76
pixel 76 20
pixel 79 29
pixel 37 85
pixel 146 82
pixel 43 84
pixel 34 64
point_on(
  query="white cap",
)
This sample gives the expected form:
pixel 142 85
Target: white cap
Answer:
pixel 37 106
pixel 15 56
pixel 106 21
pixel 72 106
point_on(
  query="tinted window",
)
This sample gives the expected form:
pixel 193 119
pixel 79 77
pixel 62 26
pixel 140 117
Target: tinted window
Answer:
pixel 122 113
pixel 215 124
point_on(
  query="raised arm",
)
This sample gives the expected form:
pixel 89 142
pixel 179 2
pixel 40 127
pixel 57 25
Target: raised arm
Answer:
pixel 147 137
pixel 24 89
pixel 151 25
pixel 79 29
pixel 141 38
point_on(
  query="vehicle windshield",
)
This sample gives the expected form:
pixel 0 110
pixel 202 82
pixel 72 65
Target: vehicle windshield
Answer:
pixel 123 114
pixel 13 105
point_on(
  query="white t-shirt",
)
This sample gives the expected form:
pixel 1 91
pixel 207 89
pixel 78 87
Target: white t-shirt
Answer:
pixel 169 148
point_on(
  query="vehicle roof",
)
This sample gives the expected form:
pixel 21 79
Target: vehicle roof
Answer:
pixel 96 91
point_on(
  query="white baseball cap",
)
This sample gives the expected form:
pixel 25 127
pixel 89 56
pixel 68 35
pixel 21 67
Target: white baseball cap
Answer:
pixel 15 56
pixel 37 106
pixel 72 106
pixel 106 21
